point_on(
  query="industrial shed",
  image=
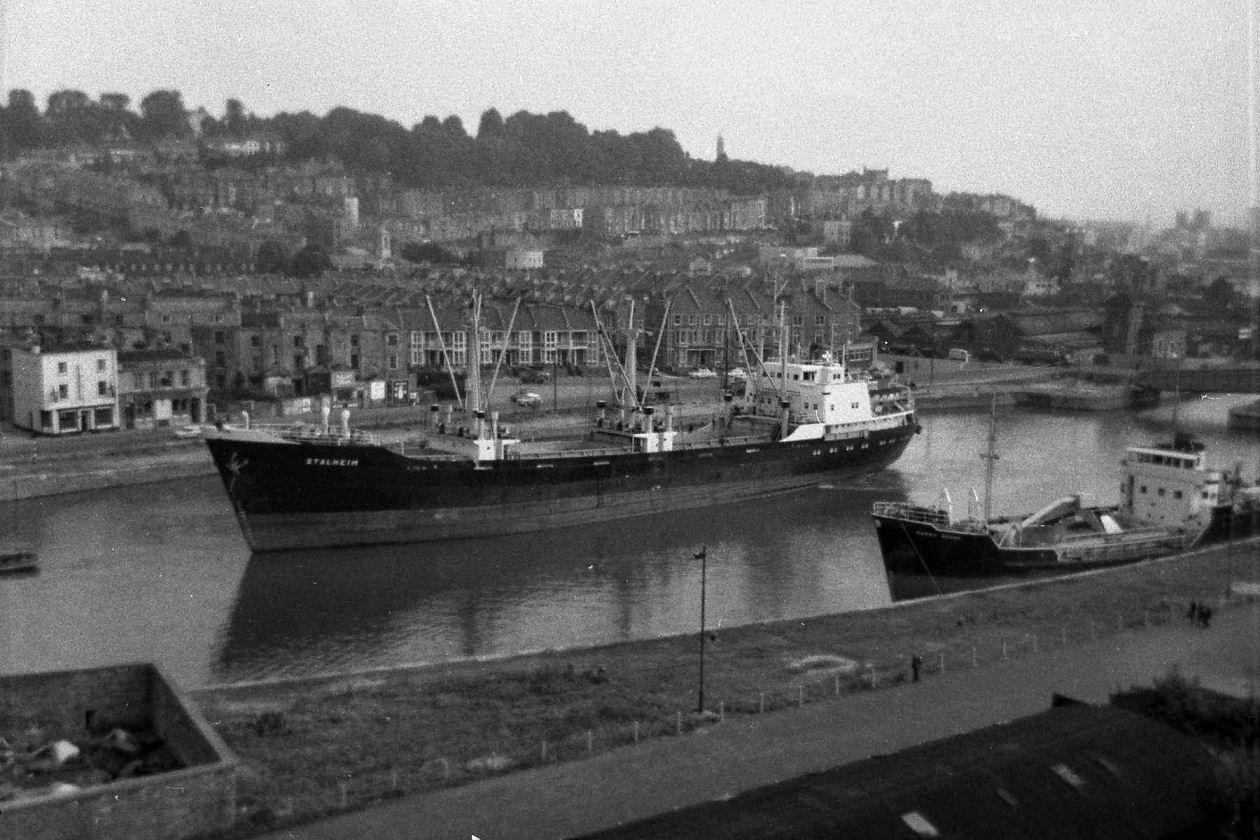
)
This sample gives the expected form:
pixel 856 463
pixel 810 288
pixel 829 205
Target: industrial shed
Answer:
pixel 1075 771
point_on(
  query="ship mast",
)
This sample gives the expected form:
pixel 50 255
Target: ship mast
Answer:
pixel 632 339
pixel 473 385
pixel 990 457
pixel 784 403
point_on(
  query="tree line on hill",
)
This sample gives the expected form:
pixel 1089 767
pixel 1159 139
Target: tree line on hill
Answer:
pixel 521 150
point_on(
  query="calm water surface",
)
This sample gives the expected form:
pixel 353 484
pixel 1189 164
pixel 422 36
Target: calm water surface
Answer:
pixel 161 572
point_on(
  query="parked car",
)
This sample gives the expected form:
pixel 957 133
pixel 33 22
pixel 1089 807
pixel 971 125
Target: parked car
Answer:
pixel 528 399
pixel 737 373
pixel 187 431
pixel 702 373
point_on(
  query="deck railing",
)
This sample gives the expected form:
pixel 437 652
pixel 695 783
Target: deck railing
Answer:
pixel 302 433
pixel 926 515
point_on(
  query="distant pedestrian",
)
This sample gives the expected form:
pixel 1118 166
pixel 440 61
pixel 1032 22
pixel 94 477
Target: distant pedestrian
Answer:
pixel 916 663
pixel 1205 615
pixel 1192 614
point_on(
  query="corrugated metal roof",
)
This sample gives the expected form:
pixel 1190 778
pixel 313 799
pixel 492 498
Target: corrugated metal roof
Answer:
pixel 1071 772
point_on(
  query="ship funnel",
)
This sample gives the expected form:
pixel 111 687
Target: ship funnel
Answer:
pixel 345 421
pixel 325 411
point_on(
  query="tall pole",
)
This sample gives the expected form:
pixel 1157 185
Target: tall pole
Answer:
pixel 702 557
pixel 990 457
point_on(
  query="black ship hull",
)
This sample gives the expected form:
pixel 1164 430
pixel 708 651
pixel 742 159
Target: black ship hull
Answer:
pixel 922 548
pixel 318 495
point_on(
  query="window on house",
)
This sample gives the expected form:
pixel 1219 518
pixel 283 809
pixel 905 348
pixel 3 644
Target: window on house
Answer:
pixel 62 367
pixel 63 391
pixel 255 341
pixel 392 339
pixel 677 320
pixel 297 363
pixel 100 364
pixel 184 378
pixel 354 339
pixel 219 337
pixel 299 341
pixel 393 362
pixel 220 359
pixel 692 320
pixel 102 389
pixel 708 319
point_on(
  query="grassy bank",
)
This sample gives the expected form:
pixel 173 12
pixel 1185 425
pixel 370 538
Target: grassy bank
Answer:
pixel 317 746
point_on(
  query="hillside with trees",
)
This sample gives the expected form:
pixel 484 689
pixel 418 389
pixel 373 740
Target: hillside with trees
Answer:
pixel 521 150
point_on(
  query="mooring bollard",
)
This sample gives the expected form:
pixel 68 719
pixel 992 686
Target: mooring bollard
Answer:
pixel 636 732
pixel 590 741
pixel 763 703
pixel 872 675
pixel 800 695
pixel 393 779
pixel 722 710
pixel 1004 654
pixel 837 681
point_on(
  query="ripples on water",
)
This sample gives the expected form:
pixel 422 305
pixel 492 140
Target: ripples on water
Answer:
pixel 161 572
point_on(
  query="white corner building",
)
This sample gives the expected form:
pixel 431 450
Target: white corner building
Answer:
pixel 61 389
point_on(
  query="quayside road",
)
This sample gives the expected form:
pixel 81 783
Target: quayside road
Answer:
pixel 667 773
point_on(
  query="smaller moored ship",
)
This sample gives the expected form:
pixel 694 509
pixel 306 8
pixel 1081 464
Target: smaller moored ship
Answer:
pixel 1170 502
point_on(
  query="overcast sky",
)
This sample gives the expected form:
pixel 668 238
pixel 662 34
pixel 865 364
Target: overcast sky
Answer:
pixel 1082 108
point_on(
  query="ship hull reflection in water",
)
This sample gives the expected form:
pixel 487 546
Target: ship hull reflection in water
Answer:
pixel 306 613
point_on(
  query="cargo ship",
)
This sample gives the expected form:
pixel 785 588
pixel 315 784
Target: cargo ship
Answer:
pixel 800 422
pixel 1170 502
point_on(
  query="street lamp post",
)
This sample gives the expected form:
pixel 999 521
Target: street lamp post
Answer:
pixel 703 564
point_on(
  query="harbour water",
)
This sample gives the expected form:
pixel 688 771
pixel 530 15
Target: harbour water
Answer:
pixel 161 573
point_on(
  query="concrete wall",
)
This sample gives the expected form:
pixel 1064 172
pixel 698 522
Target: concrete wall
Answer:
pixel 38 485
pixel 199 798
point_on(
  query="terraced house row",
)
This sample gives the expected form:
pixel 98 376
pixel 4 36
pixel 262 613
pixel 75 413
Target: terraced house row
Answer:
pixel 290 341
